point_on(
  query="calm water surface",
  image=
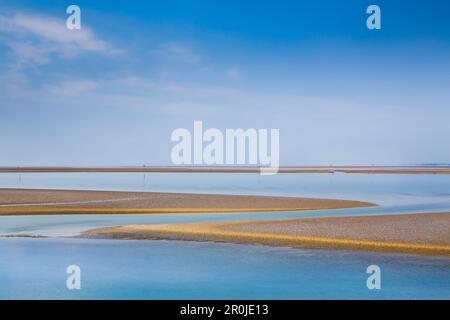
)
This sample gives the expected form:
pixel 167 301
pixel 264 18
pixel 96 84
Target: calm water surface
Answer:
pixel 123 269
pixel 111 269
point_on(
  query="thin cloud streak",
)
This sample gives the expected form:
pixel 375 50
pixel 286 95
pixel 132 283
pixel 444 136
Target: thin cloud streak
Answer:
pixel 36 39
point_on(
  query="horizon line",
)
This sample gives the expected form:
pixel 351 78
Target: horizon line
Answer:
pixel 380 169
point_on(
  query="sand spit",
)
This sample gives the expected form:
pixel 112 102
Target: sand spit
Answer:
pixel 34 202
pixel 409 233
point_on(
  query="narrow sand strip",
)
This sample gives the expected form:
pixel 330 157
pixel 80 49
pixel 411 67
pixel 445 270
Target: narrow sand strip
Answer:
pixel 38 202
pixel 442 169
pixel 413 233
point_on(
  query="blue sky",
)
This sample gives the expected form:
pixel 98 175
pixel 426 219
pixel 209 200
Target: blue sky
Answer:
pixel 112 93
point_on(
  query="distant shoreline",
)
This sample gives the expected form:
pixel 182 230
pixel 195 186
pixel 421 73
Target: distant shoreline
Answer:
pixel 425 169
pixel 54 202
pixel 409 233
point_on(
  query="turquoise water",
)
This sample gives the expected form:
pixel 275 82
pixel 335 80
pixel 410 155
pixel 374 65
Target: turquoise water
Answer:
pixel 34 268
pixel 72 225
pixel 112 269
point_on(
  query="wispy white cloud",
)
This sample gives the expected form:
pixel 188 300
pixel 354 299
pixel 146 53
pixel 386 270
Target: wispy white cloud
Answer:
pixel 37 38
pixel 177 52
pixel 314 129
pixel 162 97
pixel 28 52
pixel 74 87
